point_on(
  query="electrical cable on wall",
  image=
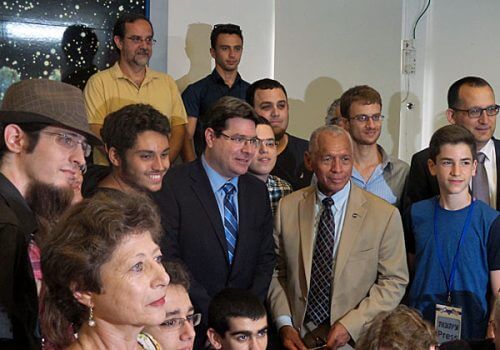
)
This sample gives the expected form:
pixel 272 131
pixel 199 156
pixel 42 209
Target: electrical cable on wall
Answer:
pixel 426 8
pixel 419 17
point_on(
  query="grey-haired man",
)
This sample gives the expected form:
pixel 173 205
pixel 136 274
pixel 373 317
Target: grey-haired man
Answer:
pixel 44 142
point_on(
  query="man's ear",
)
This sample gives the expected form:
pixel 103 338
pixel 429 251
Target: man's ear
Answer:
pixel 450 115
pixel 15 138
pixel 214 338
pixel 210 137
pixel 212 53
pixel 114 158
pixel 118 42
pixel 432 167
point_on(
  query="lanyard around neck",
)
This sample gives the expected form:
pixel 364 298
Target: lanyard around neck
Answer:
pixel 450 281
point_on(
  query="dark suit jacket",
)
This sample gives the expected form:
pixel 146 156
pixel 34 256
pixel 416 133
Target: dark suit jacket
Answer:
pixel 422 185
pixel 194 233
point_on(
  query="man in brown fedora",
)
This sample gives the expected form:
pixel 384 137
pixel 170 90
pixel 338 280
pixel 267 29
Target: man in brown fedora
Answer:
pixel 45 139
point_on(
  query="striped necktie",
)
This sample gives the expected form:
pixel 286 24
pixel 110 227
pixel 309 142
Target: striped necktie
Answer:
pixel 319 299
pixel 230 220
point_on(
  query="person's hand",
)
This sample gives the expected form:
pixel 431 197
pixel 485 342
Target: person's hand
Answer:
pixel 338 336
pixel 291 338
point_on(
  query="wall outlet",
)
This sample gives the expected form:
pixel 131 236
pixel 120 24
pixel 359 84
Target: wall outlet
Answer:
pixel 408 56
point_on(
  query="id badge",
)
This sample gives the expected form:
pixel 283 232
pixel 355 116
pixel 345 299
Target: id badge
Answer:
pixel 448 323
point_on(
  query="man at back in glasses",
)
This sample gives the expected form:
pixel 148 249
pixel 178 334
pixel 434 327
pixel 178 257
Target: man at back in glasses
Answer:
pixel 226 42
pixel 471 104
pixel 374 170
pixel 131 81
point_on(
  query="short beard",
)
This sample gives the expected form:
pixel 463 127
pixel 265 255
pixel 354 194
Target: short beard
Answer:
pixel 127 179
pixel 48 203
pixel 280 135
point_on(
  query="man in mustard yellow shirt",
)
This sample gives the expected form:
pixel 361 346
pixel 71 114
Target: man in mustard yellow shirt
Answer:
pixel 131 81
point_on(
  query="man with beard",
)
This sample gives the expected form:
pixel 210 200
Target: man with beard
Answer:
pixel 270 101
pixel 136 142
pixel 42 150
pixel 226 42
pixel 217 219
pixel 374 170
pixel 131 81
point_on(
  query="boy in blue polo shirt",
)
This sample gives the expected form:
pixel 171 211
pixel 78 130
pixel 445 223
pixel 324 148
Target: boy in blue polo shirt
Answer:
pixel 453 250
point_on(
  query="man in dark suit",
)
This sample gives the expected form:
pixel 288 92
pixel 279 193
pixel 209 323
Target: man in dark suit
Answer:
pixel 471 104
pixel 217 219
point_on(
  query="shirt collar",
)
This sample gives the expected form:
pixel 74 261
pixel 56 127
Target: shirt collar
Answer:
pixel 386 160
pixel 218 79
pixel 339 198
pixel 117 73
pixel 217 180
pixel 488 149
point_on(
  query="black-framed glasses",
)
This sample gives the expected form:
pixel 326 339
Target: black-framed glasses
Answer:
pixel 138 40
pixel 475 112
pixel 178 322
pixel 241 140
pixel 269 143
pixel 69 142
pixel 362 118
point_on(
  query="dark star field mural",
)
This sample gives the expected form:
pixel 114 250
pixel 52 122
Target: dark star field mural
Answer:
pixel 62 40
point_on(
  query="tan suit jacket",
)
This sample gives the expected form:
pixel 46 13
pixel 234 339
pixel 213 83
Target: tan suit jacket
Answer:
pixel 370 273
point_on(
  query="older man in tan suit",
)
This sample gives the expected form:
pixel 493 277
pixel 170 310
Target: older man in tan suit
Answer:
pixel 341 254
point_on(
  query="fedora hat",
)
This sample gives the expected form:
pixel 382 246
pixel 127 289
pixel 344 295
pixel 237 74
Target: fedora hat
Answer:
pixel 47 102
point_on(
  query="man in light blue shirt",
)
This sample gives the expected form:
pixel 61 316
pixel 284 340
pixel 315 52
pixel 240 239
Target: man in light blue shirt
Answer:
pixel 374 170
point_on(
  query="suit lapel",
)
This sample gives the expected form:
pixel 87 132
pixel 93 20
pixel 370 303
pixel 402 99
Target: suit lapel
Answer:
pixel 354 217
pixel 203 191
pixel 306 226
pixel 497 154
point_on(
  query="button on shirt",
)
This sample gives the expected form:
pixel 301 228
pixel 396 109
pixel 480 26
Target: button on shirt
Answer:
pixel 338 209
pixel 216 182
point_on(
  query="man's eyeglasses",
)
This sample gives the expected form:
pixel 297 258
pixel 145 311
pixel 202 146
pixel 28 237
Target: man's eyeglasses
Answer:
pixel 138 40
pixel 364 118
pixel 69 142
pixel 475 112
pixel 269 143
pixel 176 323
pixel 242 140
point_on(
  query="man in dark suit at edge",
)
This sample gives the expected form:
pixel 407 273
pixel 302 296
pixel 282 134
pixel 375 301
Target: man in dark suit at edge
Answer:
pixel 217 219
pixel 471 104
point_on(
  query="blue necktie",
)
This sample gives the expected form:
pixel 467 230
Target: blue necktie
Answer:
pixel 230 220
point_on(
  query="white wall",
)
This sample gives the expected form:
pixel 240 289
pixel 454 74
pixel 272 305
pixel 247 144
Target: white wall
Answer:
pixel 455 38
pixel 320 48
pixel 190 23
pixel 325 47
